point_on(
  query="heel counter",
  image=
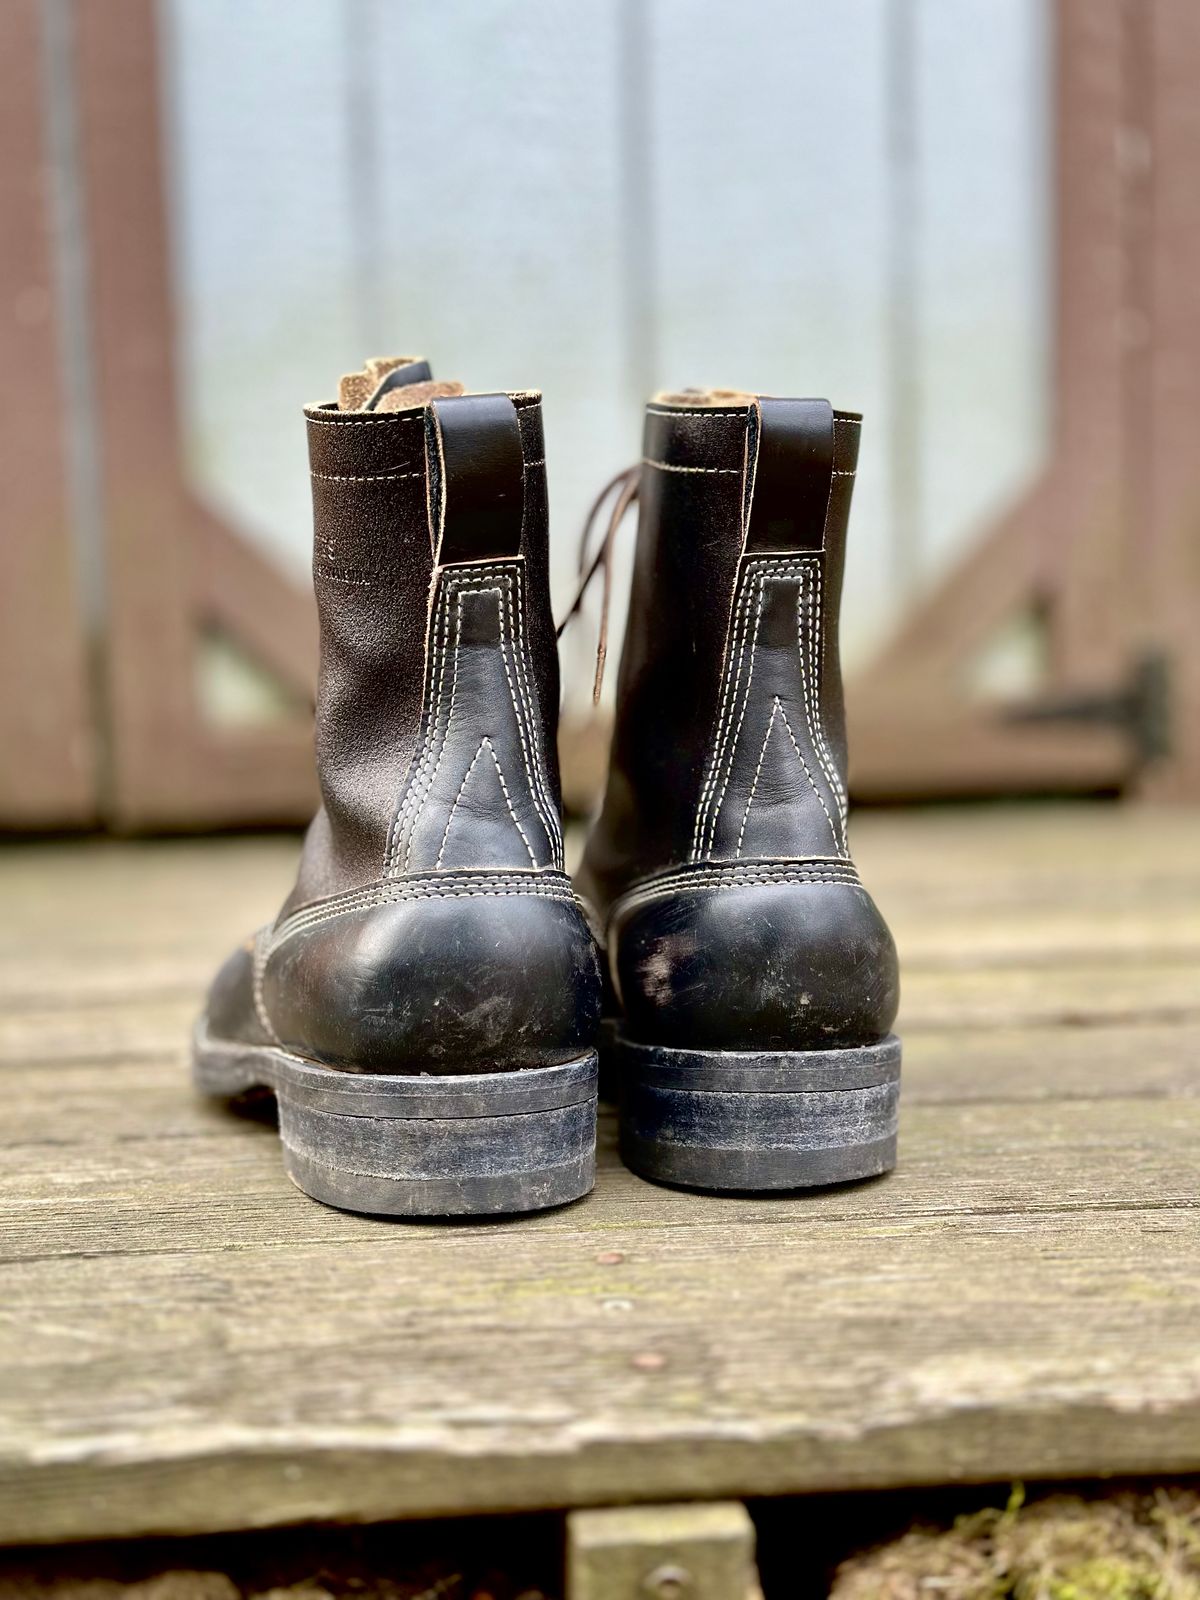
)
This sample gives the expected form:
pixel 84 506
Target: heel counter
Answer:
pixel 444 972
pixel 779 954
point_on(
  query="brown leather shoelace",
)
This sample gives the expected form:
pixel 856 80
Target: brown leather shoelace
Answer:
pixel 624 488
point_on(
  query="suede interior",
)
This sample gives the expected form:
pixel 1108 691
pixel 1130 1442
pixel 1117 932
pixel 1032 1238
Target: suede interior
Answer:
pixel 702 399
pixel 356 388
pixel 710 399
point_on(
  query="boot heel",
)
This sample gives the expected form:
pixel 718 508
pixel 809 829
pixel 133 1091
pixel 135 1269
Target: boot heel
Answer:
pixel 415 1146
pixel 421 1145
pixel 754 1120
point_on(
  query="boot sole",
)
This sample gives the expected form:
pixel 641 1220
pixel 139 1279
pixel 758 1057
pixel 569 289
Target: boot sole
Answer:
pixel 758 1120
pixel 420 1145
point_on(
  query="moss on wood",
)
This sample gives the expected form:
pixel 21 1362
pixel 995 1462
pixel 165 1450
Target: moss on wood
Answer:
pixel 1126 1547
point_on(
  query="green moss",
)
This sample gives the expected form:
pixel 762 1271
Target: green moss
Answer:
pixel 1122 1547
pixel 1101 1579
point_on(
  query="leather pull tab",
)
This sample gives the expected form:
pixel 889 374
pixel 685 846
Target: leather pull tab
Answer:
pixel 476 478
pixel 789 473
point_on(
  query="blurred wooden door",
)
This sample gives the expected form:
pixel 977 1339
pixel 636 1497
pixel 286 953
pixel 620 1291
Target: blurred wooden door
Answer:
pixel 104 642
pixel 118 574
pixel 1101 557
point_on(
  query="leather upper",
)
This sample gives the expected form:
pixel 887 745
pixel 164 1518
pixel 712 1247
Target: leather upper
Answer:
pixel 431 926
pixel 720 858
pixel 373 572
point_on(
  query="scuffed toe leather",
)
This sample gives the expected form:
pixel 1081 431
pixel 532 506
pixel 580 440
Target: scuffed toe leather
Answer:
pixel 761 965
pixel 480 976
pixel 230 1011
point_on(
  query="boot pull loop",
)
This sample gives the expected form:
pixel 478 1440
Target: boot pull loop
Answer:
pixel 626 484
pixel 476 478
pixel 788 474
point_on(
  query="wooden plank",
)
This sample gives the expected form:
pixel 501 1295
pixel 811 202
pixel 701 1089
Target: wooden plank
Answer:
pixel 135 1088
pixel 684 1552
pixel 210 1181
pixel 187 1343
pixel 116 1074
pixel 428 1371
pixel 913 745
pixel 47 771
pixel 942 995
pixel 961 887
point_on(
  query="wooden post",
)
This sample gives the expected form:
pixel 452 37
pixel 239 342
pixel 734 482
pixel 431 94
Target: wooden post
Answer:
pixel 172 566
pixel 47 742
pixel 1105 546
pixel 682 1552
pixel 1171 549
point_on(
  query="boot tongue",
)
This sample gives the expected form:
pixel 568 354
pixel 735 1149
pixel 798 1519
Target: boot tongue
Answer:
pixel 391 383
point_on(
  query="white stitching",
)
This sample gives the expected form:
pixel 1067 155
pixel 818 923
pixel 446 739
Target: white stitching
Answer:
pixel 416 789
pixel 462 786
pixel 418 785
pixel 816 652
pixel 757 774
pixel 666 466
pixel 818 660
pixel 484 743
pixel 809 776
pixel 415 778
pixel 533 861
pixel 757 571
pixel 697 415
pixel 808 595
pixel 367 477
pixel 541 885
pixel 631 900
pixel 739 871
pixel 706 413
pixel 518 716
pixel 390 421
pixel 739 877
pixel 258 970
pixel 337 577
pixel 547 811
pixel 732 676
pixel 749 878
pixel 444 739
pixel 422 785
pixel 507 877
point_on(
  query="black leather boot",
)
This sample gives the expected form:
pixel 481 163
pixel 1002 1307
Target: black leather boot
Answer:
pixel 425 1004
pixel 757 981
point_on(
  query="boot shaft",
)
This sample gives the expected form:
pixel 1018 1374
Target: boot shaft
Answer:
pixel 730 734
pixel 438 687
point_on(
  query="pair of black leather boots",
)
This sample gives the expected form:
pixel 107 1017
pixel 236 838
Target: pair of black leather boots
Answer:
pixel 429 1002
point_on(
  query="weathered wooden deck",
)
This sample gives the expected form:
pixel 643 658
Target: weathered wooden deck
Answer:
pixel 187 1343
